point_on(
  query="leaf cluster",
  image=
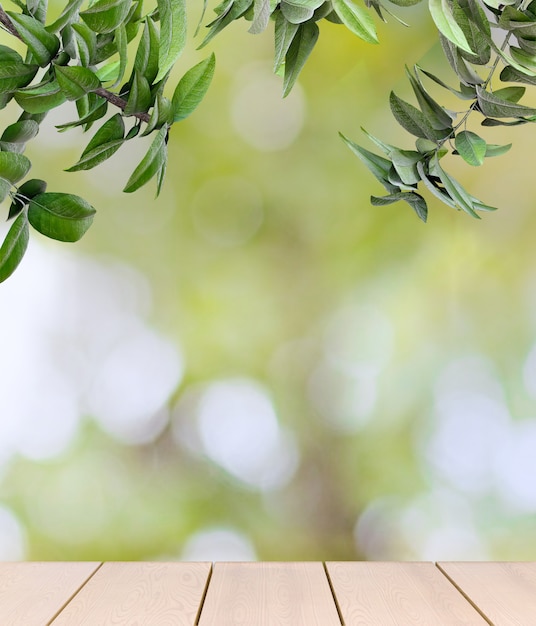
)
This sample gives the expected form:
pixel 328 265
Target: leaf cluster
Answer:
pixel 468 30
pixel 296 29
pixel 109 53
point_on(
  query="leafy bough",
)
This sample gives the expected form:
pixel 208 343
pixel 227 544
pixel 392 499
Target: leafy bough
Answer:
pixel 83 56
pixel 465 31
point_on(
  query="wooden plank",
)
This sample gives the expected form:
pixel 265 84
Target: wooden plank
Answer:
pixel 31 594
pixel 139 594
pixel 269 594
pixel 385 594
pixel 504 592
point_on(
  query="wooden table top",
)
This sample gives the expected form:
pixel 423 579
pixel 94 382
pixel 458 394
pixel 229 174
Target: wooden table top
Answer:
pixel 267 594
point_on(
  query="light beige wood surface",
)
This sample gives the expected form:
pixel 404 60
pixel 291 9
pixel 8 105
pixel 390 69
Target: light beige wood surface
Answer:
pixel 504 592
pixel 139 594
pixel 269 594
pixel 31 594
pixel 385 594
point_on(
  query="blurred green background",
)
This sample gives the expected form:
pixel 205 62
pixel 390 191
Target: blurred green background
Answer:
pixel 261 365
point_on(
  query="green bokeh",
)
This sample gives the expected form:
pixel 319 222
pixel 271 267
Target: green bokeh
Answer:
pixel 394 353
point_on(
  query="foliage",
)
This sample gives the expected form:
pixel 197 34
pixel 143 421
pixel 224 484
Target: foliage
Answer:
pixel 84 56
pixel 86 53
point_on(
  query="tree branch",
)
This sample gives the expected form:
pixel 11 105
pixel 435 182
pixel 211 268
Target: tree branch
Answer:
pixel 120 103
pixel 8 24
pixel 103 93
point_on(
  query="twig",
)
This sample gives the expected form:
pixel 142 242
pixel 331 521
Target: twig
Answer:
pixel 8 24
pixel 120 103
pixel 103 93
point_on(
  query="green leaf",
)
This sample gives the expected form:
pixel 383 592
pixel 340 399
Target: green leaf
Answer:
pixel 68 42
pixel 471 147
pixel 134 19
pixel 496 150
pixel 114 128
pixel 285 32
pixel 67 16
pixel 415 200
pixel 151 162
pixel 407 174
pixel 13 167
pixel 465 94
pixel 203 11
pixel 40 98
pixel 231 10
pixel 261 16
pixel 106 141
pixel 463 70
pixel 37 9
pixel 8 55
pixel 510 60
pixel 172 34
pixel 439 192
pixel 493 106
pixel 14 247
pixel 86 42
pixel 424 146
pixel 96 111
pixel 43 45
pixel 296 14
pixel 15 74
pixel 377 165
pixel 16 135
pixel 108 72
pixel 104 16
pixel 146 61
pixel 489 121
pixel 524 59
pixel 76 81
pixel 462 199
pixel 120 41
pixel 139 98
pixel 161 174
pixel 441 12
pixel 160 115
pixel 24 194
pixel 512 94
pixel 60 216
pixel 436 115
pixel 527 45
pixel 356 19
pixel 192 88
pixel 298 53
pixel 95 157
pixel 414 121
pixel 476 28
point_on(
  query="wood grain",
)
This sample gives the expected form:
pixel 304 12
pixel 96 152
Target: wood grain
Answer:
pixel 504 592
pixel 269 594
pixel 385 594
pixel 31 594
pixel 139 594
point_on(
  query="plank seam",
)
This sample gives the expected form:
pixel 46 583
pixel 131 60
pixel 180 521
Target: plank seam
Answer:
pixel 460 590
pixel 203 597
pixel 332 589
pixel 74 594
